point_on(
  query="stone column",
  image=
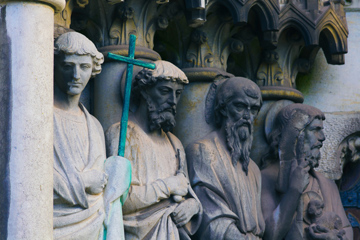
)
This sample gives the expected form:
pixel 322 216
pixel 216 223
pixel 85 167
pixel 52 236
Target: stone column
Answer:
pixel 26 129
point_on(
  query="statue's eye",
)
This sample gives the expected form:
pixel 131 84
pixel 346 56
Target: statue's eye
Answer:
pixel 67 66
pixel 178 93
pixel 164 91
pixel 85 66
pixel 254 110
pixel 240 106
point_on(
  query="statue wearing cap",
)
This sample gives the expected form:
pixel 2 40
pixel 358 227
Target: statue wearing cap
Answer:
pixel 161 203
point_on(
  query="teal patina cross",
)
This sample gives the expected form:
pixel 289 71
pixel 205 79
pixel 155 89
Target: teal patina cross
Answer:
pixel 125 111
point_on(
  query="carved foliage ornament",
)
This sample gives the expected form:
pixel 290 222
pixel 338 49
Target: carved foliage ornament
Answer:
pixel 269 72
pixel 141 18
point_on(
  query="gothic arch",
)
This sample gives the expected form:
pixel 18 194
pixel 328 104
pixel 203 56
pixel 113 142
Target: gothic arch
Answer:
pixel 305 32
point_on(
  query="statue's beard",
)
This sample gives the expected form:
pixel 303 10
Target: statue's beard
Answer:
pixel 162 117
pixel 239 139
pixel 313 158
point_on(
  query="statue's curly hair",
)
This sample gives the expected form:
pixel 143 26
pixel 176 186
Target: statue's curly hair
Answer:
pixel 164 71
pixel 76 43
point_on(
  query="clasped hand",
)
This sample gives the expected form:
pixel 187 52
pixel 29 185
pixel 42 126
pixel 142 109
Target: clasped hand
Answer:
pixel 94 180
pixel 185 211
pixel 178 185
pixel 299 177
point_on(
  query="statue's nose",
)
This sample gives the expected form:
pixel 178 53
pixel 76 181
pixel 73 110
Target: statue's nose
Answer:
pixel 76 73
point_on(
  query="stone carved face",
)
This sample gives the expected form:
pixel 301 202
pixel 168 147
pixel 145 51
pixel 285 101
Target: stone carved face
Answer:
pixel 237 104
pixel 314 136
pixel 243 107
pixel 162 99
pixel 161 89
pixel 73 72
pixel 315 209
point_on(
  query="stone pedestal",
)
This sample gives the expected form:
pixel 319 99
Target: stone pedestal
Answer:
pixel 26 131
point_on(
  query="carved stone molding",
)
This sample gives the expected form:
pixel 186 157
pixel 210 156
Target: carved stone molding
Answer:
pixel 211 44
pixel 321 23
pixel 63 18
pixel 269 72
pixel 57 5
pixel 111 23
pixel 204 33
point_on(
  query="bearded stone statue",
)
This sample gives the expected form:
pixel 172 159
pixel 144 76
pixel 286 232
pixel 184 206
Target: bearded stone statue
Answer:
pixel 298 202
pixel 161 203
pixel 225 179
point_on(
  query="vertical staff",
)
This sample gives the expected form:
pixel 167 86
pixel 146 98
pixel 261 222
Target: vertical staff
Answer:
pixel 125 111
pixel 129 73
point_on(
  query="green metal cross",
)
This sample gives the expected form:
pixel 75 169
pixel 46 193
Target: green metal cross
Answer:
pixel 125 111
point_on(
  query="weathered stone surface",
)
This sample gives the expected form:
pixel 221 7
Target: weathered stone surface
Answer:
pixel 222 174
pixel 88 195
pixel 337 126
pixel 27 77
pixel 160 196
pixel 334 90
pixel 291 189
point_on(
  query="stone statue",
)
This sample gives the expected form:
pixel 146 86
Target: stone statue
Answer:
pixel 291 189
pixel 350 181
pixel 225 179
pixel 161 203
pixel 324 220
pixel 87 193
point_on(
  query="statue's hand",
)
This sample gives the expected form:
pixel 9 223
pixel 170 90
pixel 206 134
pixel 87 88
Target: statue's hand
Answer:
pixel 318 232
pixel 299 177
pixel 292 145
pixel 185 211
pixel 94 181
pixel 177 185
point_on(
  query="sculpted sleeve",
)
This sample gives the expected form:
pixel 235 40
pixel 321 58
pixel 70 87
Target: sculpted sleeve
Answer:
pixel 140 195
pixel 217 216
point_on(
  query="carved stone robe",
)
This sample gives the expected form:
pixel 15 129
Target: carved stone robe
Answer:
pixel 79 145
pixel 149 205
pixel 322 186
pixel 228 196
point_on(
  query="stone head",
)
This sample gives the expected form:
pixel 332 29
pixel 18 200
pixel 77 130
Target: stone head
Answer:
pixel 237 103
pixel 76 61
pixel 160 89
pixel 299 119
pixel 237 98
pixel 315 209
pixel 350 151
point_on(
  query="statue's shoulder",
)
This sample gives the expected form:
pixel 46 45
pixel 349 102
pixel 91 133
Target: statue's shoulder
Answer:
pixel 93 119
pixel 203 146
pixel 270 173
pixel 328 183
pixel 175 140
pixel 97 123
pixel 254 168
pixel 114 130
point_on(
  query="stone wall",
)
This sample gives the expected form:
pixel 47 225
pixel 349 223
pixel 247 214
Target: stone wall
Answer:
pixel 335 90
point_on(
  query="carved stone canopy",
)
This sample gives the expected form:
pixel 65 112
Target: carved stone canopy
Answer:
pixel 230 35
